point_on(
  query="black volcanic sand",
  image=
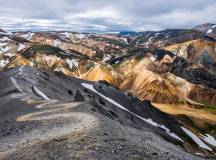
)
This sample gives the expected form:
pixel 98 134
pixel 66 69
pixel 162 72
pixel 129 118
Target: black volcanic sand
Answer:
pixel 76 123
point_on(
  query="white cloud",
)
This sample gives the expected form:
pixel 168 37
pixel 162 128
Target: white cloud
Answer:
pixel 102 16
pixel 106 12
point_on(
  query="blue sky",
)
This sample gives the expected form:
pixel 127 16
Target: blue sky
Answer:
pixel 105 15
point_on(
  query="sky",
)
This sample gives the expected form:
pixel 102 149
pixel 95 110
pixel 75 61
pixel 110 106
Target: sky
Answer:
pixel 105 15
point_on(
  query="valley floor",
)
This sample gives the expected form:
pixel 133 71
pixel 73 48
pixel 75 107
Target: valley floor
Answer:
pixel 197 116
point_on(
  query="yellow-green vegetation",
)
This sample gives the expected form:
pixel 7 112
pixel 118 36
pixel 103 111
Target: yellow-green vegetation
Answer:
pixel 204 128
pixel 197 117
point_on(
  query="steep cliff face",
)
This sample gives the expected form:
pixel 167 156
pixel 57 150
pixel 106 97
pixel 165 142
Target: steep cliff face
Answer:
pixel 150 78
pixel 197 74
pixel 196 62
pixel 195 52
pixel 150 84
pixel 203 95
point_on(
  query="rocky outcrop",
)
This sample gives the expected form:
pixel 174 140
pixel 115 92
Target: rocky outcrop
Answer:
pixel 151 85
pixel 150 78
pixel 193 74
pixel 196 52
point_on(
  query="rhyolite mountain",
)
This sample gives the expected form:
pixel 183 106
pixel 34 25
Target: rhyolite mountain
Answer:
pixel 132 95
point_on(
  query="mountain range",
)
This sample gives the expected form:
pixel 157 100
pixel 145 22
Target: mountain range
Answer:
pixel 132 95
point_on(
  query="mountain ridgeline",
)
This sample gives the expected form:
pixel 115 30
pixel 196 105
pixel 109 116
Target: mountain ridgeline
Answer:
pixel 132 95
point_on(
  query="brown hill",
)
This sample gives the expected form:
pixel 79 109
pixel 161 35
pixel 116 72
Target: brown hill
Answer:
pixel 104 73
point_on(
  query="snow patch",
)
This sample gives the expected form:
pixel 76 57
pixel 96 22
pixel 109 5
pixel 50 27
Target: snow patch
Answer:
pixel 58 69
pixel 9 54
pixel 49 58
pixel 125 40
pixel 4 39
pixel 5 49
pixel 56 43
pixel 150 121
pixel 28 36
pixel 31 64
pixel 214 26
pixel 72 63
pixel 200 154
pixel 174 52
pixel 209 139
pixel 16 84
pixel 20 47
pixel 117 62
pixel 41 94
pixel 65 34
pixel 80 36
pixel 2 44
pixel 3 63
pixel 106 58
pixel 209 31
pixel 196 139
pixel 150 39
pixel 153 59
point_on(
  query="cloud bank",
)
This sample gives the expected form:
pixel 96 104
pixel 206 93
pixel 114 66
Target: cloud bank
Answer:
pixel 105 16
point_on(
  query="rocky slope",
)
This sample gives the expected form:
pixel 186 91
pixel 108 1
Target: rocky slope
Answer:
pixel 207 28
pixel 87 119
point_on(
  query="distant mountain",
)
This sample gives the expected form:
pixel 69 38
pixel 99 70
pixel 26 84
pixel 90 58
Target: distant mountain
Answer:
pixel 151 39
pixel 2 31
pixel 207 28
pixel 128 33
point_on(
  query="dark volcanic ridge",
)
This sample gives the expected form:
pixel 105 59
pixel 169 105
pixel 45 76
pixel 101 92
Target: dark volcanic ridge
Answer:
pixel 47 115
